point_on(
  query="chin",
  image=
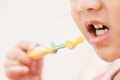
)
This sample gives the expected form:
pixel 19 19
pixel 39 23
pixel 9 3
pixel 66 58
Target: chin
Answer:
pixel 108 55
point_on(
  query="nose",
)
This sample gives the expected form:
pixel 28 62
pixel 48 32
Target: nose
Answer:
pixel 89 5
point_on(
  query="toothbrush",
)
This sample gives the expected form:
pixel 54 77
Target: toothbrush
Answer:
pixel 38 52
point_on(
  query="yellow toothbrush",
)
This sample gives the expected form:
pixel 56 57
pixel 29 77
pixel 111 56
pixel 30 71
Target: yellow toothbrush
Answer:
pixel 38 52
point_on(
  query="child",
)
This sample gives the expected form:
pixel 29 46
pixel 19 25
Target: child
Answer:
pixel 98 20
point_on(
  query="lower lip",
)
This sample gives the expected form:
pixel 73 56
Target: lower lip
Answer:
pixel 98 39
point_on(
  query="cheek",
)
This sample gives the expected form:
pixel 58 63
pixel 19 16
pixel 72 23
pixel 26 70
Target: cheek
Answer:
pixel 75 12
pixel 115 22
pixel 114 15
pixel 77 17
pixel 79 22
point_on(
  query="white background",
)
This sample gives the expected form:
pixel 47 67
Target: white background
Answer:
pixel 46 21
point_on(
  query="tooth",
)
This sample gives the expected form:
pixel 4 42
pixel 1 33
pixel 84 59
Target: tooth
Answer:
pixel 96 26
pixel 100 25
pixel 106 31
pixel 100 32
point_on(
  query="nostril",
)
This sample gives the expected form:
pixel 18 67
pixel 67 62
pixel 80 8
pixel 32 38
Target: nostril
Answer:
pixel 90 9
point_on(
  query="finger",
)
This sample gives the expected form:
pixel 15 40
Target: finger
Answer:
pixel 9 62
pixel 36 66
pixel 18 54
pixel 16 71
pixel 25 45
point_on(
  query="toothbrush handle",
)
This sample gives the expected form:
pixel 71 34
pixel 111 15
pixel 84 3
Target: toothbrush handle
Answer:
pixel 38 52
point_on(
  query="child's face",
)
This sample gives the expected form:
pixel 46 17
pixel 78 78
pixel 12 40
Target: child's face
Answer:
pixel 99 21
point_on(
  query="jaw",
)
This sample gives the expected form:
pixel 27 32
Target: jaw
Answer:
pixel 107 53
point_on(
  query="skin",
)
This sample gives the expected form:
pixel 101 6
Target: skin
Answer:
pixel 117 77
pixel 106 11
pixel 18 66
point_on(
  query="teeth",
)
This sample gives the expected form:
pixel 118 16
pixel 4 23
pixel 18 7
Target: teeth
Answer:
pixel 100 25
pixel 101 32
pixel 97 26
pixel 99 29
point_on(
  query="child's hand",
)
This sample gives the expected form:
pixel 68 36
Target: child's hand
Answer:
pixel 18 66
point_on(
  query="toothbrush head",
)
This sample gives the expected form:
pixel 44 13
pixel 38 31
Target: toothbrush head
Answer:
pixel 72 44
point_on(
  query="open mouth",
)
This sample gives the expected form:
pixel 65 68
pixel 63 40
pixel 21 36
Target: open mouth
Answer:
pixel 98 32
pixel 97 29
